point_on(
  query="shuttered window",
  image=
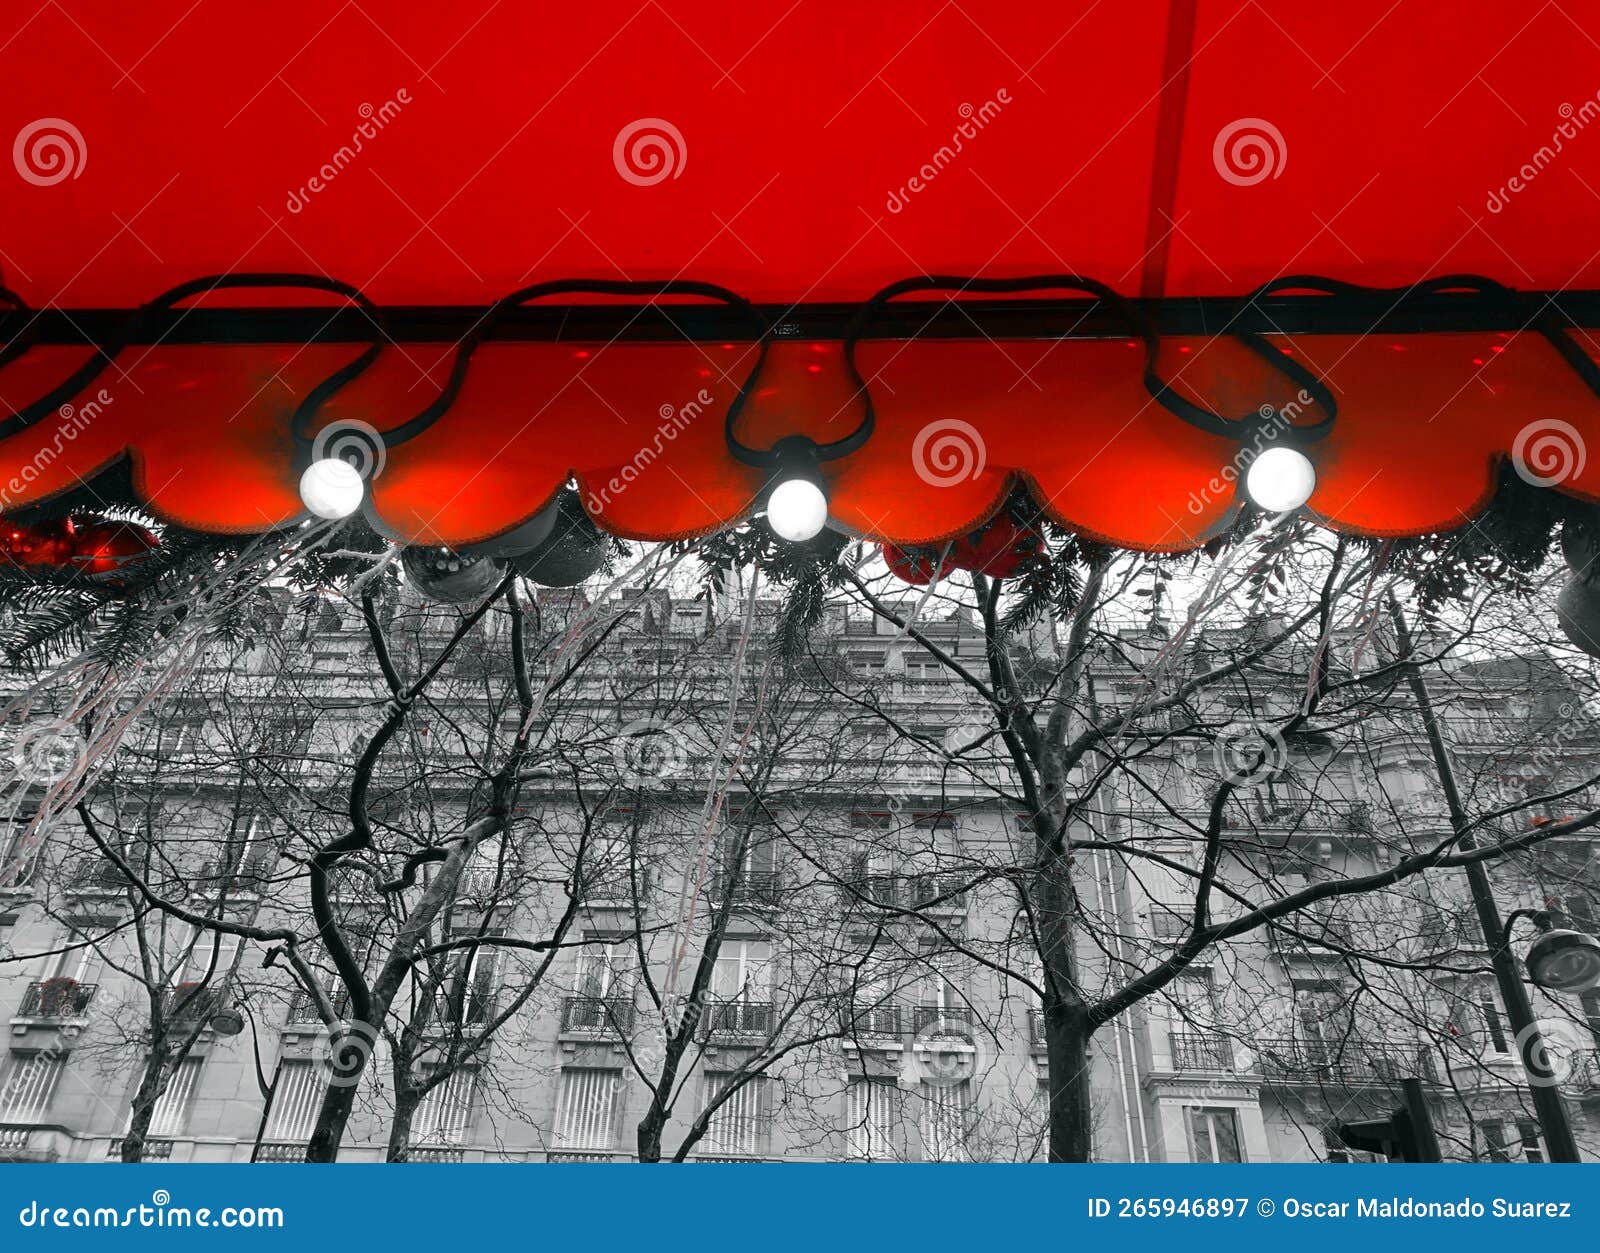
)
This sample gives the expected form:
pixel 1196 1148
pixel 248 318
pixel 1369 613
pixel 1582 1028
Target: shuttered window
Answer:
pixel 443 1114
pixel 301 1085
pixel 26 1086
pixel 946 1121
pixel 740 1126
pixel 171 1113
pixel 588 1108
pixel 874 1120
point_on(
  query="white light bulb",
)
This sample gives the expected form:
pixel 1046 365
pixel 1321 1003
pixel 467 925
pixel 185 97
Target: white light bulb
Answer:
pixel 797 510
pixel 332 488
pixel 1280 479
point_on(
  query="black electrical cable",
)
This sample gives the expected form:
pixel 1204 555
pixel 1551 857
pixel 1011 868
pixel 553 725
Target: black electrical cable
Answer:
pixel 484 330
pixel 29 333
pixel 107 352
pixel 1132 316
pixel 1493 292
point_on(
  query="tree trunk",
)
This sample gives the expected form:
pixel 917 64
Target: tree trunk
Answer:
pixel 405 1108
pixel 144 1106
pixel 350 1052
pixel 1067 1032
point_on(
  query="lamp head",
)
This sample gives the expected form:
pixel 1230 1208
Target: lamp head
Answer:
pixel 1564 961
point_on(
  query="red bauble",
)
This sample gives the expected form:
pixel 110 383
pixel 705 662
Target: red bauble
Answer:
pixel 102 547
pixel 98 548
pixel 999 550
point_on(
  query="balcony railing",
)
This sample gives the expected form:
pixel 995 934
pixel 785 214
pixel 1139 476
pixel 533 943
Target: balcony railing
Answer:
pixel 96 876
pixel 303 1009
pixel 1036 1028
pixel 154 1150
pixel 954 1020
pixel 758 887
pixel 282 1151
pixel 912 891
pixel 737 1018
pixel 1342 1063
pixel 435 1153
pixel 878 1021
pixel 56 999
pixel 610 1016
pixel 1201 1051
pixel 191 1001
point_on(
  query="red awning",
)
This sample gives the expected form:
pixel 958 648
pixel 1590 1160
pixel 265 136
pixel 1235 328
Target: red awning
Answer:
pixel 435 156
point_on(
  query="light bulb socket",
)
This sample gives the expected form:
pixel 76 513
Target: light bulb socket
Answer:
pixel 795 457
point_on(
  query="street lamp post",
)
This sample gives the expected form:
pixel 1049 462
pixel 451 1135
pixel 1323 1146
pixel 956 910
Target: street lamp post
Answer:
pixel 1547 1103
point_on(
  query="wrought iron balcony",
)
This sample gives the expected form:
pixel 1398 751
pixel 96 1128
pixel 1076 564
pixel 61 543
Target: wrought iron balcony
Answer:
pixel 303 1008
pixel 1342 1063
pixel 188 1002
pixel 953 1020
pixel 1193 1050
pixel 758 887
pixel 56 999
pixel 912 891
pixel 879 1021
pixel 96 876
pixel 606 1016
pixel 737 1018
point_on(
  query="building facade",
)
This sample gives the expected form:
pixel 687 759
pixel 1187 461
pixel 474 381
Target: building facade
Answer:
pixel 807 879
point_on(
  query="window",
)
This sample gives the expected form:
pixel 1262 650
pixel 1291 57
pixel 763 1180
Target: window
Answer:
pixel 1591 1011
pixel 868 663
pixel 604 967
pixel 1213 1134
pixel 741 1125
pixel 1321 1019
pixel 442 1115
pixel 171 1114
pixel 1494 1024
pixel 16 855
pixel 296 1101
pixel 743 971
pixel 874 1120
pixel 1510 1140
pixel 589 1109
pixel 947 1117
pixel 27 1083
